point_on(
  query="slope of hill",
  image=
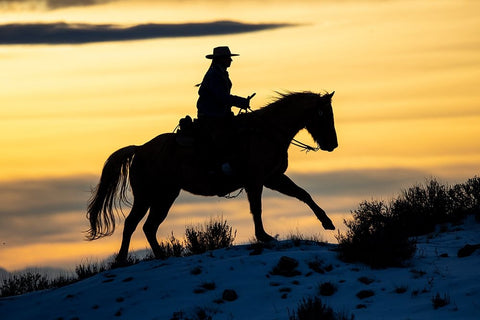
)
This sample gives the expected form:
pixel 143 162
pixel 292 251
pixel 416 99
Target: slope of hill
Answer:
pixel 269 283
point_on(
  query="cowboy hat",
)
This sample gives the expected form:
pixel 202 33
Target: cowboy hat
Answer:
pixel 221 52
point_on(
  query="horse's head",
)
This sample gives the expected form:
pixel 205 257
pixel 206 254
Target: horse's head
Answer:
pixel 320 123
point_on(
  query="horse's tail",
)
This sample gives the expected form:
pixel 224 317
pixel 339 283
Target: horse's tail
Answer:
pixel 110 193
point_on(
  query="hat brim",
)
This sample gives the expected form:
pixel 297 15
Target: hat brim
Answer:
pixel 211 56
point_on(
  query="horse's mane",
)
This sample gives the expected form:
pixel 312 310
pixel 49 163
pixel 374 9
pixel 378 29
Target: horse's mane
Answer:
pixel 283 99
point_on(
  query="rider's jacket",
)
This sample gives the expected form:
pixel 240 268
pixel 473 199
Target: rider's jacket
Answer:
pixel 214 98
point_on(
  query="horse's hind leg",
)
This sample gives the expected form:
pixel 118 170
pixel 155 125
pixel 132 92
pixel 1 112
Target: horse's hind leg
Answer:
pixel 158 213
pixel 139 209
pixel 283 184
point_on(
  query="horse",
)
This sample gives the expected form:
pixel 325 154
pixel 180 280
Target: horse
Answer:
pixel 159 169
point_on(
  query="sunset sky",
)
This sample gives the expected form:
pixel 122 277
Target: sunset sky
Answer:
pixel 83 78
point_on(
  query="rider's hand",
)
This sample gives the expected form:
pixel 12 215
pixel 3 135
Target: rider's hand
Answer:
pixel 247 101
pixel 245 104
pixel 242 103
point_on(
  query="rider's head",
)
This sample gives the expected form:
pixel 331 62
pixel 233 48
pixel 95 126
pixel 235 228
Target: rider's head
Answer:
pixel 225 62
pixel 222 56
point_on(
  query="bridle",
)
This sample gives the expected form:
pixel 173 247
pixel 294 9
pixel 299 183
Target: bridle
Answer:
pixel 305 147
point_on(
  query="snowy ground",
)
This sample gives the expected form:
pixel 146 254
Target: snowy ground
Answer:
pixel 182 286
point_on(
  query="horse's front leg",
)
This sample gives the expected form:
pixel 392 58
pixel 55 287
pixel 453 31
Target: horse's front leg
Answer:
pixel 283 184
pixel 254 195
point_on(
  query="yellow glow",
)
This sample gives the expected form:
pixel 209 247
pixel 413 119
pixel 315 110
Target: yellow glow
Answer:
pixel 406 92
pixel 59 254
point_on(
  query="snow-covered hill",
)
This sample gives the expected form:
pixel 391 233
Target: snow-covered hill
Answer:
pixel 246 283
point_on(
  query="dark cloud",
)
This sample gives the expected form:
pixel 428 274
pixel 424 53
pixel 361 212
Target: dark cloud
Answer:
pixel 65 33
pixel 56 4
pixel 368 182
pixel 49 196
pixel 52 4
pixel 44 210
pixel 54 209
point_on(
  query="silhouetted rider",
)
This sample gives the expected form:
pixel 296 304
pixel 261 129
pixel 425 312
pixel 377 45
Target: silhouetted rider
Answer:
pixel 215 102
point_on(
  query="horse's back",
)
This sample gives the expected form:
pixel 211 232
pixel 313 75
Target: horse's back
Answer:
pixel 154 155
pixel 160 140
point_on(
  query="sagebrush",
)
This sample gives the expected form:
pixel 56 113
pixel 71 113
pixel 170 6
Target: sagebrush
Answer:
pixel 215 234
pixel 313 308
pixel 380 233
pixel 31 281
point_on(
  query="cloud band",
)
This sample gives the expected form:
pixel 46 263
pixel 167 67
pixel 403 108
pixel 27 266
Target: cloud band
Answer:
pixel 65 33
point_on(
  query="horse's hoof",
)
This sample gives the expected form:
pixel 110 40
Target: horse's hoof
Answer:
pixel 328 225
pixel 266 238
pixel 118 263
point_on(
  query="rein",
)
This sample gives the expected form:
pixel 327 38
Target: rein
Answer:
pixel 304 146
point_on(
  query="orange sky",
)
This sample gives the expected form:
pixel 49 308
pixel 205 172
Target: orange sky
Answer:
pixel 406 76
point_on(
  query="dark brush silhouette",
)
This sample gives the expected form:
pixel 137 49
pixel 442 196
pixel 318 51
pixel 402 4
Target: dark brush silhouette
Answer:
pixel 467 250
pixel 160 168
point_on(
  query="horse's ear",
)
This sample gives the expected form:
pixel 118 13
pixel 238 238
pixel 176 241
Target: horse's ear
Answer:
pixel 329 95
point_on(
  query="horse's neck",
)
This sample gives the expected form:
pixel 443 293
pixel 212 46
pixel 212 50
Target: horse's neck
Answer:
pixel 283 123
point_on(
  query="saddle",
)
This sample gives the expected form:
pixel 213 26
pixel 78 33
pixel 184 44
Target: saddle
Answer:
pixel 201 132
pixel 213 143
pixel 185 134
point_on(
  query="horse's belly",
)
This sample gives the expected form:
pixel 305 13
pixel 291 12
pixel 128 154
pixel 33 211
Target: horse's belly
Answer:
pixel 209 185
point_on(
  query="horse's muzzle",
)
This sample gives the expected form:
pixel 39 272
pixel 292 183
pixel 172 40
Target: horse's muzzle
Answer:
pixel 329 148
